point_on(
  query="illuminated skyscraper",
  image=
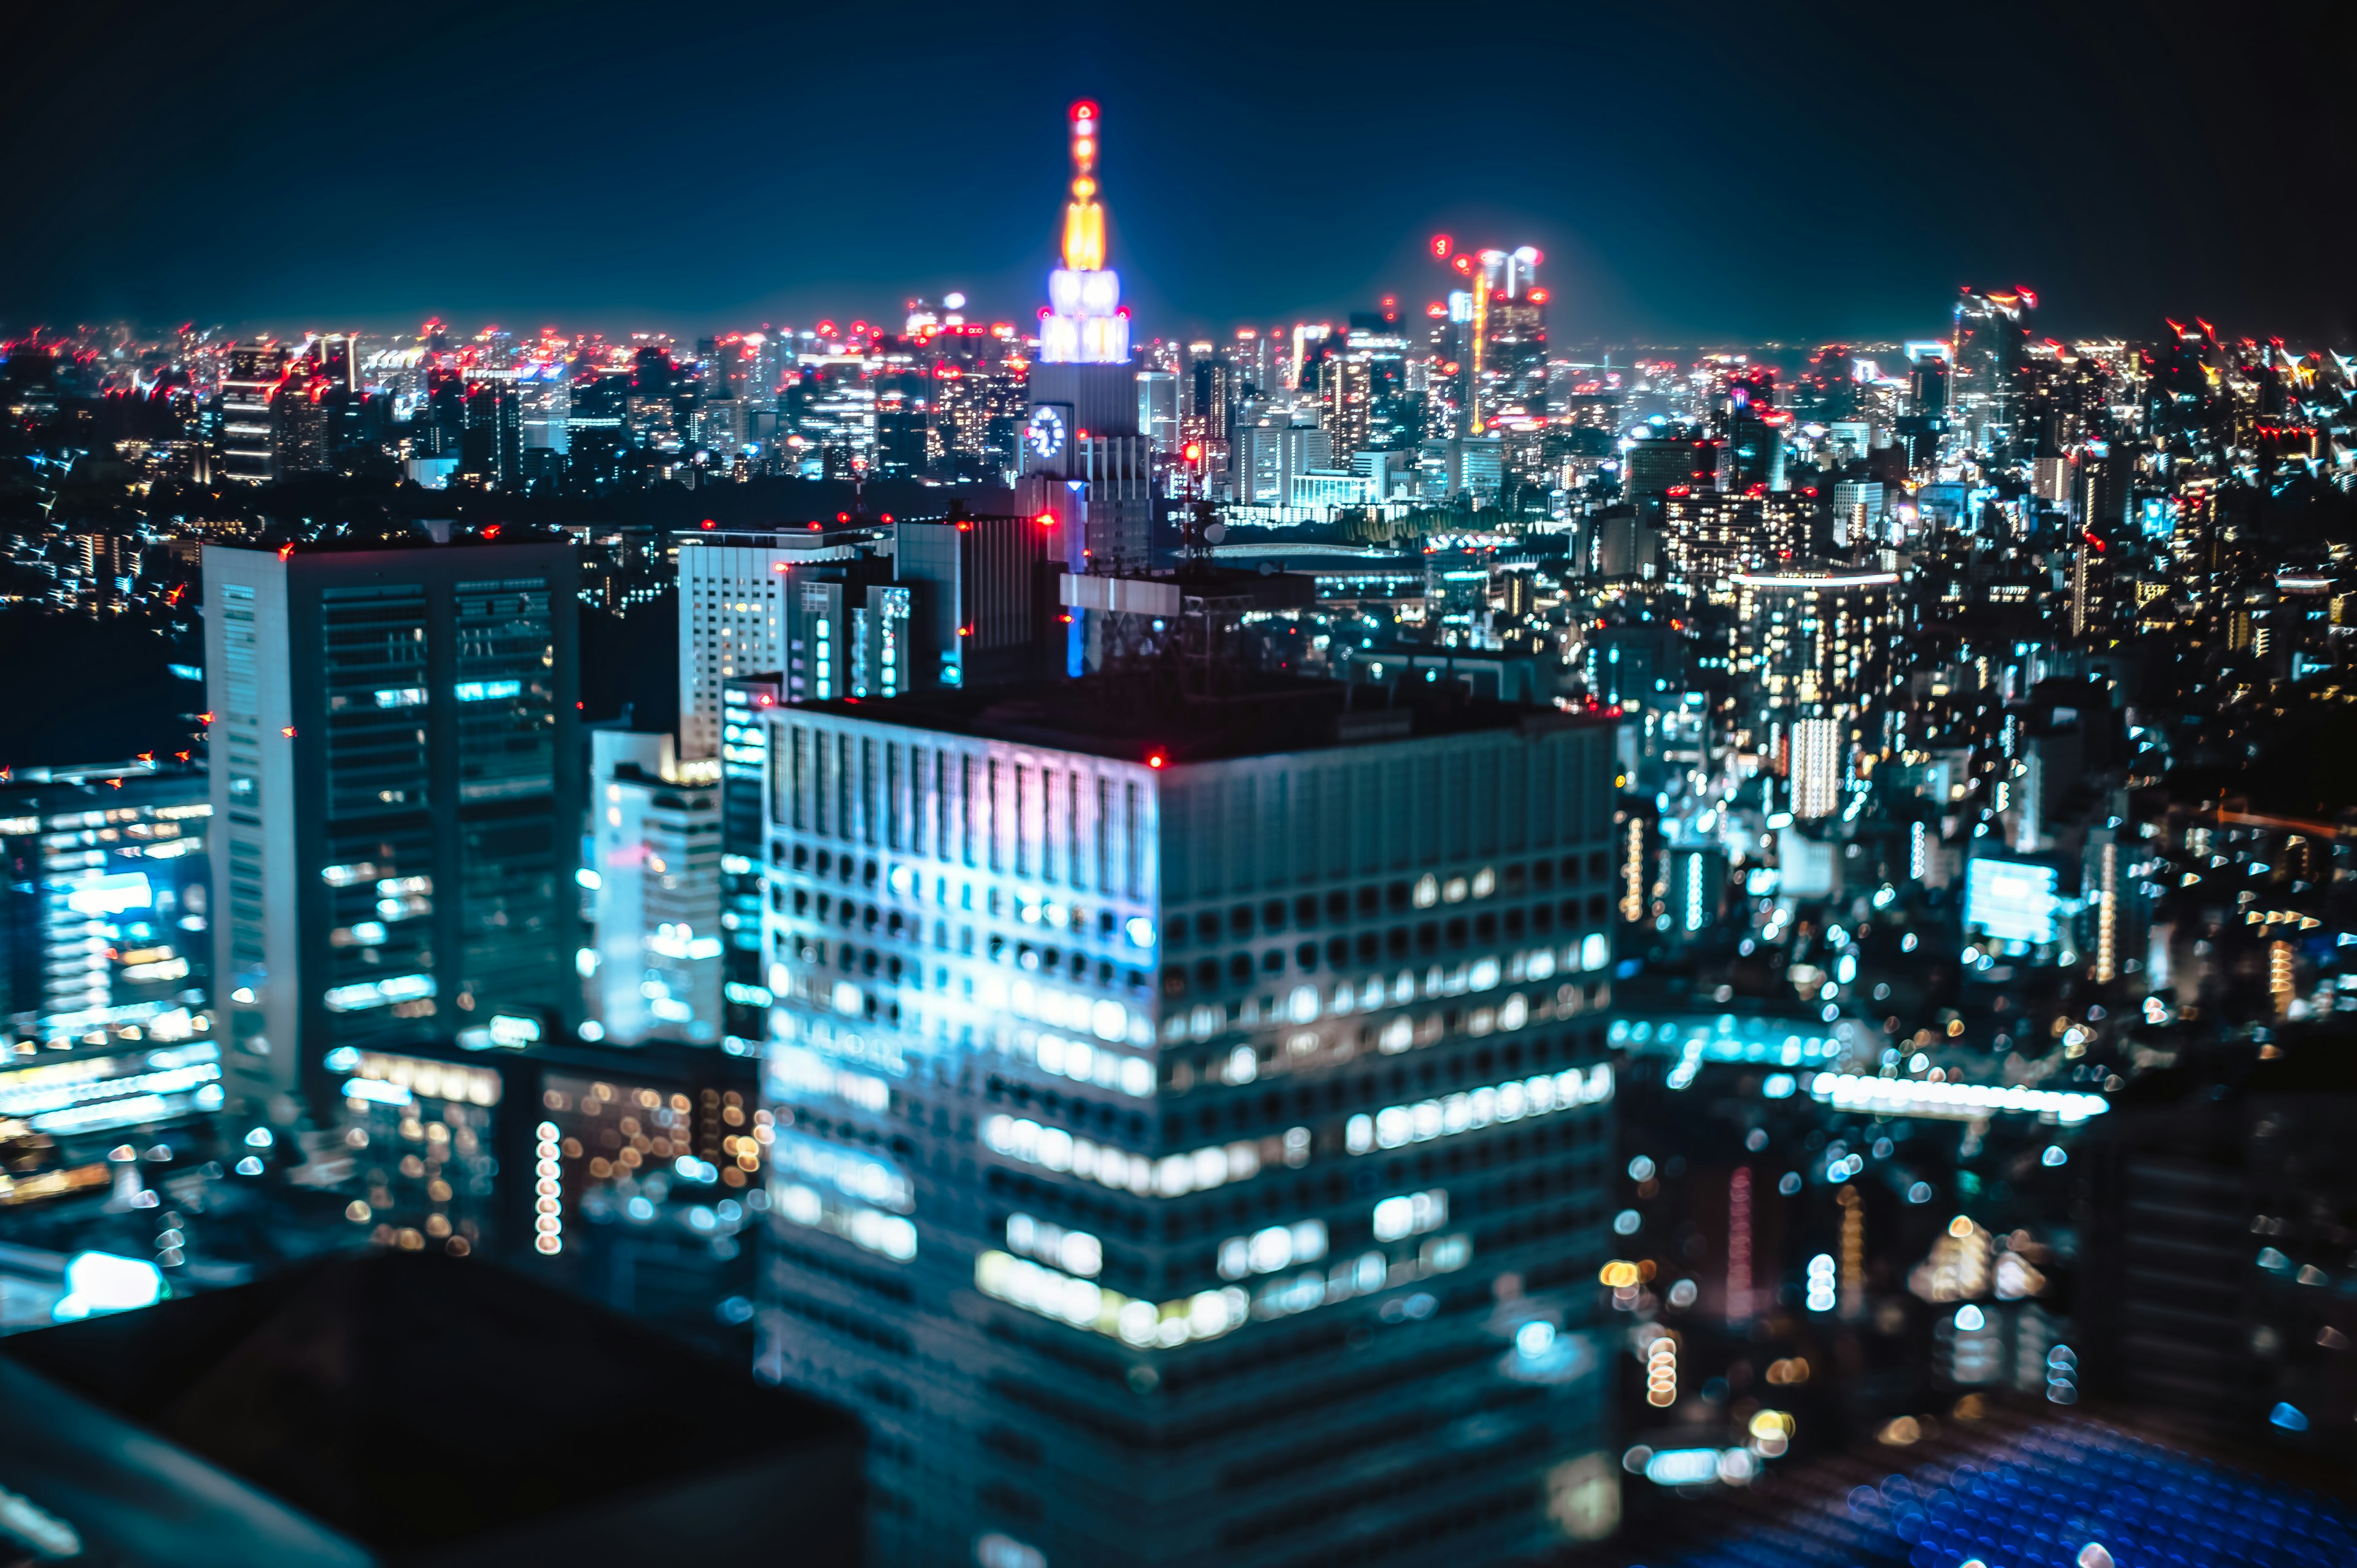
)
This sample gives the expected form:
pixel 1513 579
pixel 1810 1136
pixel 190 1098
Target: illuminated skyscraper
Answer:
pixel 249 428
pixel 396 797
pixel 1985 357
pixel 1182 1113
pixel 1816 767
pixel 654 858
pixel 103 900
pixel 1810 644
pixel 1082 422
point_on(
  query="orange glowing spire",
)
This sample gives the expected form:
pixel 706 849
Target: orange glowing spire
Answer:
pixel 1083 218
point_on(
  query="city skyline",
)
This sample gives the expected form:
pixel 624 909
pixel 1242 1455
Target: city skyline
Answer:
pixel 1723 195
pixel 1338 937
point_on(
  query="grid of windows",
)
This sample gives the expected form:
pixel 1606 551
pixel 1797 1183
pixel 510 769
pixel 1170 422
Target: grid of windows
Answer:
pixel 505 689
pixel 1302 1202
pixel 374 668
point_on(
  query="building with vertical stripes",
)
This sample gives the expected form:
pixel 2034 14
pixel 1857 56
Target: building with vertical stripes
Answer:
pixel 1192 1122
pixel 395 794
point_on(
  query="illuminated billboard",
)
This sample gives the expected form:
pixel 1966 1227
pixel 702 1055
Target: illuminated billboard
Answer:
pixel 2011 900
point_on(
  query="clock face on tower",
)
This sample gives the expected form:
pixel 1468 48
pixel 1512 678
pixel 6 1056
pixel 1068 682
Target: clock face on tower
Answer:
pixel 1045 434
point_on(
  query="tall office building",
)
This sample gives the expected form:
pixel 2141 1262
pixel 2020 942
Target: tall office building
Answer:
pixel 491 448
pixel 1985 365
pixel 654 863
pixel 1345 403
pixel 1816 767
pixel 744 778
pixel 1654 466
pixel 249 428
pixel 395 794
pixel 732 621
pixel 1265 457
pixel 1858 513
pixel 545 393
pixel 1707 537
pixel 1810 642
pixel 1183 1112
pixel 104 898
pixel 1157 408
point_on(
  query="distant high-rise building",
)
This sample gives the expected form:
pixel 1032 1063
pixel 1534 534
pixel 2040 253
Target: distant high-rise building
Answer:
pixel 1816 767
pixel 732 622
pixel 1157 408
pixel 1985 364
pixel 1215 395
pixel 249 428
pixel 1655 465
pixel 1178 1123
pixel 1857 511
pixel 104 900
pixel 491 449
pixel 545 395
pixel 1751 459
pixel 1810 642
pixel 1265 459
pixel 597 424
pixel 1710 536
pixel 829 414
pixel 1345 403
pixel 395 794
pixel 654 855
pixel 744 834
pixel 652 401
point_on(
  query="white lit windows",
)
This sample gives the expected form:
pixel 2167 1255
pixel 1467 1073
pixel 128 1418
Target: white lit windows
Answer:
pixel 1411 1215
pixel 1269 1250
pixel 1173 1176
pixel 1394 1126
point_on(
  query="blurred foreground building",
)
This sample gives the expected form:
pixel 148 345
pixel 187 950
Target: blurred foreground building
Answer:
pixel 1188 1112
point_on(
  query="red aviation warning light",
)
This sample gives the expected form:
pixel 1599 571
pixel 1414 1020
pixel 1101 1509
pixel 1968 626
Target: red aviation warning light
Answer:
pixel 1155 759
pixel 1047 520
pixel 1194 452
pixel 1440 244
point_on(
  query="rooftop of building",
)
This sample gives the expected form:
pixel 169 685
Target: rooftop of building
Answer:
pixel 349 538
pixel 1131 720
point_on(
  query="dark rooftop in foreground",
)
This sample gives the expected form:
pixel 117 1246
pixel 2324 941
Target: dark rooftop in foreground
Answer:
pixel 387 1407
pixel 1118 718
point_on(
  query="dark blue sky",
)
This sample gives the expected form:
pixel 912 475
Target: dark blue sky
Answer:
pixel 1709 173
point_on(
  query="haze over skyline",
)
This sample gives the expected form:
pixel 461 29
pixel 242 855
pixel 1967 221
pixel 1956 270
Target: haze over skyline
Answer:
pixel 1722 175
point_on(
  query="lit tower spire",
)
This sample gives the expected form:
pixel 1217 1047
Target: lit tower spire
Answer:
pixel 1085 323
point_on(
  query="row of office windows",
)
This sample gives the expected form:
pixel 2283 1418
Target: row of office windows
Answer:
pixel 1307 910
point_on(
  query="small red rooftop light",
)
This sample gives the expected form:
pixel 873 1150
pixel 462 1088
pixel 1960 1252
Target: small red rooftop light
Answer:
pixel 709 523
pixel 1154 760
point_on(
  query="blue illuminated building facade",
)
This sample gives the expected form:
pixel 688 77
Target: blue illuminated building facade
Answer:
pixel 1193 1146
pixel 103 910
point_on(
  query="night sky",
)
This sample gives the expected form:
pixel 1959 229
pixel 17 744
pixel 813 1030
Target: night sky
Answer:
pixel 1707 173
